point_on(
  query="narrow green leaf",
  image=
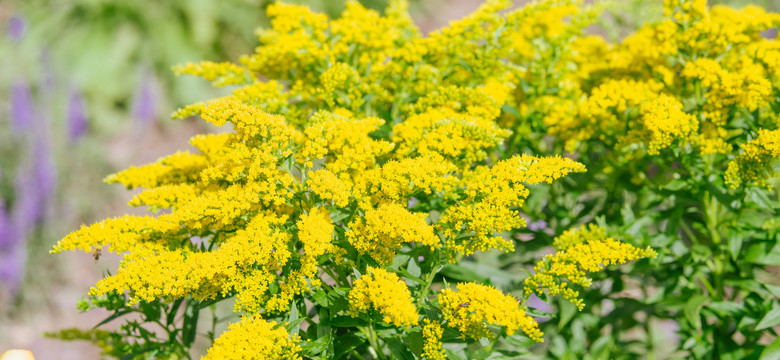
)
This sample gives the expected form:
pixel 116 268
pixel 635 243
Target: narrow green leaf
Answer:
pixel 413 268
pixel 293 317
pixel 112 317
pixel 343 344
pixel 321 298
pixel 735 246
pixel 692 310
pixel 190 326
pixel 398 349
pixel 771 319
pixel 317 346
pixel 291 326
pixel 726 308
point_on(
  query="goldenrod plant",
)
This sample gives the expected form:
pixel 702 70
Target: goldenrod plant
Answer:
pixel 677 124
pixel 361 167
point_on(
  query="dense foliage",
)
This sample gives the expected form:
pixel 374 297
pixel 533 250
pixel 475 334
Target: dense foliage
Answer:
pixel 365 198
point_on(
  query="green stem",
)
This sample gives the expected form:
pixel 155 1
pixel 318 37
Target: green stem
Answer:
pixel 706 284
pixel 712 212
pixel 423 295
pixel 374 342
pixel 357 355
pixel 688 231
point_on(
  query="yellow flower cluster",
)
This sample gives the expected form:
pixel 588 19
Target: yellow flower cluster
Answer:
pixel 492 198
pixel 381 232
pixel 457 138
pixel 699 83
pixel 220 74
pixel 472 307
pixel 384 292
pixel 753 165
pixel 432 347
pixel 664 121
pixel 336 128
pixel 580 251
pixel 255 338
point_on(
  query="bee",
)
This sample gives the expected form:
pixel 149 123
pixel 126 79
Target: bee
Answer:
pixel 96 254
pixel 464 304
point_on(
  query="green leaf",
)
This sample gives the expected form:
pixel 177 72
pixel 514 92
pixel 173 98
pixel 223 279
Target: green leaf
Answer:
pixel 190 325
pixel 675 185
pixel 771 352
pixel 692 310
pixel 343 344
pixel 771 319
pixel 735 245
pixel 398 349
pixel 774 289
pixel 323 325
pixel 567 312
pixel 321 298
pixel 291 326
pixel 317 346
pixel 347 321
pixel 460 273
pixel 726 308
pixel 413 268
pixel 293 317
pixel 112 317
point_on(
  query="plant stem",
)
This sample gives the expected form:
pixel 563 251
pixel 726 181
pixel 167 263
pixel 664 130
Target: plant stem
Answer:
pixel 357 355
pixel 373 340
pixel 436 268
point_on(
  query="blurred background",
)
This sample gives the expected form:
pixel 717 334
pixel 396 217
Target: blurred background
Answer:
pixel 86 90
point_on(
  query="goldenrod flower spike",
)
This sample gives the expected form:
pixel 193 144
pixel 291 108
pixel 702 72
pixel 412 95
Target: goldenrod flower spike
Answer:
pixel 753 165
pixel 253 338
pixel 472 307
pixel 432 346
pixel 384 292
pixel 580 251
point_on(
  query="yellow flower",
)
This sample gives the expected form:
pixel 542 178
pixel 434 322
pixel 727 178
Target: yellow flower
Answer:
pixel 384 292
pixel 432 347
pixel 329 187
pixel 173 169
pixel 345 142
pixel 458 138
pixel 580 251
pixel 753 165
pixel 664 121
pixel 381 231
pixel 493 196
pixel 220 74
pixel 255 338
pixel 472 307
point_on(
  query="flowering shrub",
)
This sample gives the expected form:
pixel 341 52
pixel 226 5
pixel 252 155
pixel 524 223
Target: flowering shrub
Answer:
pixel 361 167
pixel 677 124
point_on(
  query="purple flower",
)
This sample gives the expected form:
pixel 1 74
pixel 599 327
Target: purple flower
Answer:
pixel 22 109
pixel 77 116
pixel 537 225
pixel 34 187
pixel 16 27
pixel 145 103
pixel 12 267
